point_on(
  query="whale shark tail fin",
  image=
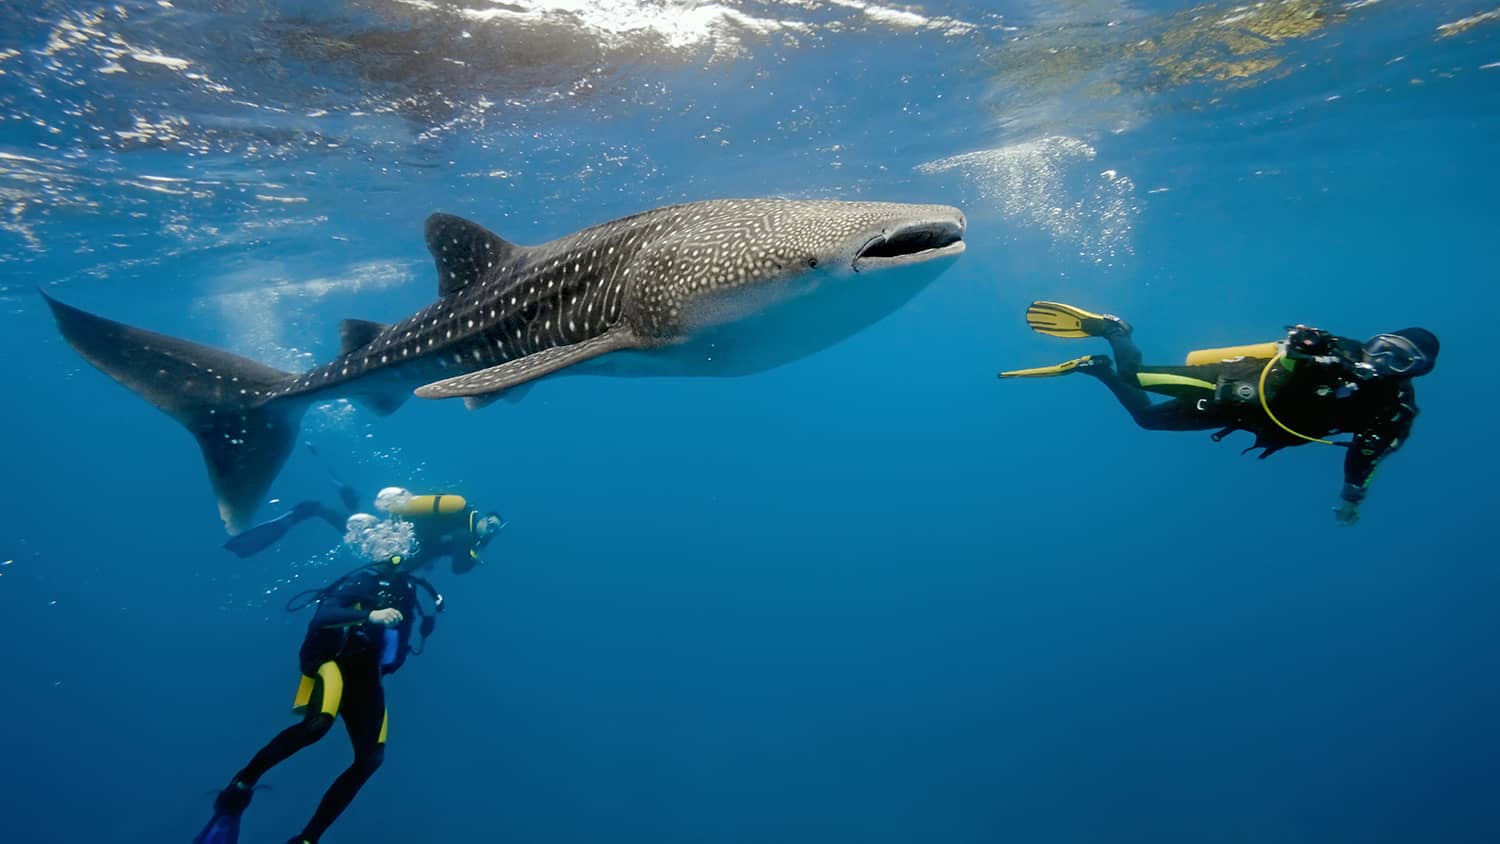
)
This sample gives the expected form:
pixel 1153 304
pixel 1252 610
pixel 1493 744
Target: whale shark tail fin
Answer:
pixel 232 405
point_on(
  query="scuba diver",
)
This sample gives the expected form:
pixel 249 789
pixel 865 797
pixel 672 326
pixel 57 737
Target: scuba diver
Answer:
pixel 446 525
pixel 1288 392
pixel 259 537
pixel 361 631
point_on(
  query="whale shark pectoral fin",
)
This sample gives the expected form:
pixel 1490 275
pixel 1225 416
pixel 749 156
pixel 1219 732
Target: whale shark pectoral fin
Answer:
pixel 511 396
pixel 489 382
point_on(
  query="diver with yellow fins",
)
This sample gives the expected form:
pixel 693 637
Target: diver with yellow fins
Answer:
pixel 1287 392
pixel 363 629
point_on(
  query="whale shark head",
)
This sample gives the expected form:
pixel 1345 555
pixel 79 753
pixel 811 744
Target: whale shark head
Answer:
pixel 746 285
pixel 735 260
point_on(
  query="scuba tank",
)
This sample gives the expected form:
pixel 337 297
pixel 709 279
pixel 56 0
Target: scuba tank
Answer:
pixel 399 502
pixel 1202 357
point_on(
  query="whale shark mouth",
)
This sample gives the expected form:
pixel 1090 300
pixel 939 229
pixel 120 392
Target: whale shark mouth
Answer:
pixel 913 244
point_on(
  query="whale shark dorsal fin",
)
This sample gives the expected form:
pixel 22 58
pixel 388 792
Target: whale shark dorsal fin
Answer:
pixel 355 333
pixel 464 251
pixel 487 382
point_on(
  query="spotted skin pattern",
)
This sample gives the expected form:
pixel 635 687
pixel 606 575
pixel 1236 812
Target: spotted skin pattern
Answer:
pixel 510 313
pixel 641 273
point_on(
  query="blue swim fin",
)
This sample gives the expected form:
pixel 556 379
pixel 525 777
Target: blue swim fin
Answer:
pixel 257 538
pixel 223 829
pixel 224 826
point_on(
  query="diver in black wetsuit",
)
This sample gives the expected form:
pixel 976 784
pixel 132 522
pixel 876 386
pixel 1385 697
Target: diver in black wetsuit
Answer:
pixel 1287 393
pixel 362 630
pixel 446 526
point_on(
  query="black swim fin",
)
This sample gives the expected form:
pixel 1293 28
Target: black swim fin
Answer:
pixel 224 826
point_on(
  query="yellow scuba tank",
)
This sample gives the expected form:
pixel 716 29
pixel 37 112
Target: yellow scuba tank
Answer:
pixel 430 505
pixel 1202 357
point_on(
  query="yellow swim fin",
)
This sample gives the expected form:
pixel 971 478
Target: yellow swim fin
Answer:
pixel 1063 368
pixel 1059 320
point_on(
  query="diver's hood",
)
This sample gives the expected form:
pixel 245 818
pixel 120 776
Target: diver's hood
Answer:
pixel 1417 355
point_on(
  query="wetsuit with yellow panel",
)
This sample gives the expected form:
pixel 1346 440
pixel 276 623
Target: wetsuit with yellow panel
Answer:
pixel 361 631
pixel 365 625
pixel 1301 389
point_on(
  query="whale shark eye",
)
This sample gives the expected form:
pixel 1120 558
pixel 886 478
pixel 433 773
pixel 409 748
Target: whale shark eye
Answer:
pixel 812 262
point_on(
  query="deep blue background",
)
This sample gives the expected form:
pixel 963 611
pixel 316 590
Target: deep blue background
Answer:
pixel 874 596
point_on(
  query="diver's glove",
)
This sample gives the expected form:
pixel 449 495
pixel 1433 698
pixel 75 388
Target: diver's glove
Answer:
pixel 1347 513
pixel 389 617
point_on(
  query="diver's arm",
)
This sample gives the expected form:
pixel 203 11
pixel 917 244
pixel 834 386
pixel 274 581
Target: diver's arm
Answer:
pixel 331 614
pixel 1372 445
pixel 340 608
pixel 333 518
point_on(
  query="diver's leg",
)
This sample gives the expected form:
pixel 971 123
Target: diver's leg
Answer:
pixel 1123 350
pixel 1192 407
pixel 1176 415
pixel 306 732
pixel 1131 397
pixel 334 518
pixel 314 725
pixel 1121 377
pixel 364 718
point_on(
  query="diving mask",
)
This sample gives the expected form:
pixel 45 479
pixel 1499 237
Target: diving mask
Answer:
pixel 485 528
pixel 1390 354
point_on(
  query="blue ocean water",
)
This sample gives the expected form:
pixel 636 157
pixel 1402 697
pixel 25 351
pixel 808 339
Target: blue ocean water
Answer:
pixel 874 595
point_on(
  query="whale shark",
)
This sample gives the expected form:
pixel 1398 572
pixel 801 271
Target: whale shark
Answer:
pixel 725 287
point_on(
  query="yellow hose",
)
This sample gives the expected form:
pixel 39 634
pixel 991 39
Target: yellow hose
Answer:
pixel 1267 408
